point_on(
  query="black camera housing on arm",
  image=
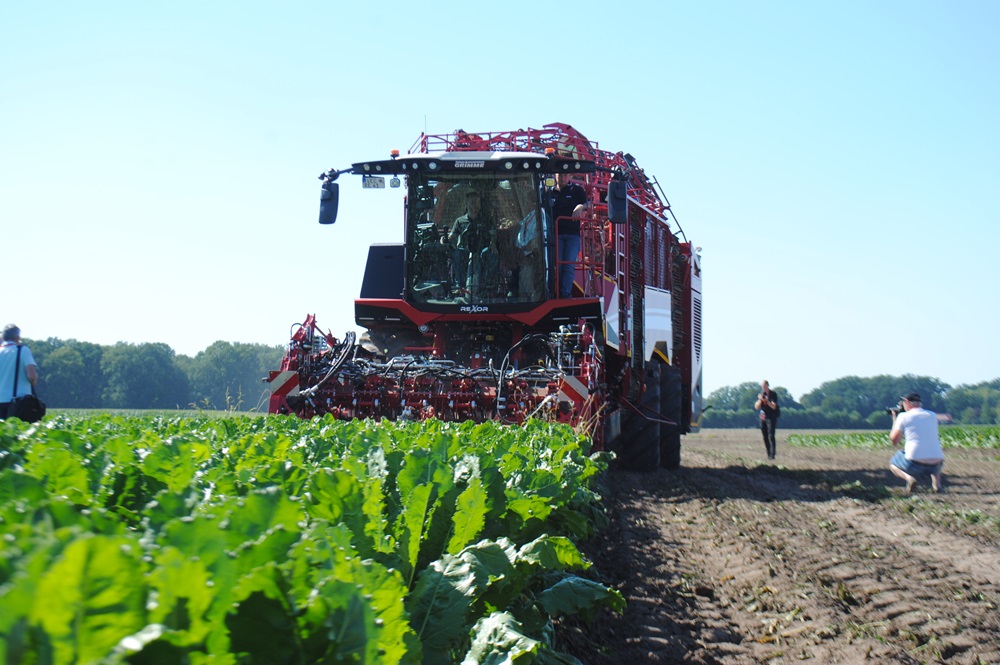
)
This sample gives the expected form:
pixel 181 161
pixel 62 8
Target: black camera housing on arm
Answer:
pixel 894 410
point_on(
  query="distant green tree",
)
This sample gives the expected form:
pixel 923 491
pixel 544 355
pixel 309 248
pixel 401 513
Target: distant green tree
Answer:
pixel 91 385
pixel 785 399
pixel 143 376
pixel 230 375
pixel 734 398
pixel 70 374
pixel 743 396
pixel 974 404
pixel 961 401
pixel 868 396
pixel 64 375
pixel 41 350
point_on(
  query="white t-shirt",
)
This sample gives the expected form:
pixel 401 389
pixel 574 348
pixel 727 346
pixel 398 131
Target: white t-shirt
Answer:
pixel 8 358
pixel 920 433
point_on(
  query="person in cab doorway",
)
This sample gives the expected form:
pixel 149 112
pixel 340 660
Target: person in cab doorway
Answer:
pixel 768 411
pixel 569 200
pixel 921 455
pixel 461 234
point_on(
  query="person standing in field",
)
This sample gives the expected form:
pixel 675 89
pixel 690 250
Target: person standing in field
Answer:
pixel 768 411
pixel 921 455
pixel 26 370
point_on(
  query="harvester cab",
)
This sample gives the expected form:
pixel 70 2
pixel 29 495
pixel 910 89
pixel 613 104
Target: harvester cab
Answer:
pixel 478 226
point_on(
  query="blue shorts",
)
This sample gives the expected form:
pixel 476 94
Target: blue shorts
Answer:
pixel 915 469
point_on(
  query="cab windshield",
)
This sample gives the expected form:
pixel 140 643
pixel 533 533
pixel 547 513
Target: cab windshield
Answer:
pixel 475 239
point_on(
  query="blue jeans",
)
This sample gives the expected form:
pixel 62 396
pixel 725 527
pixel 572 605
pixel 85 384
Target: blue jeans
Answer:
pixel 569 251
pixel 915 469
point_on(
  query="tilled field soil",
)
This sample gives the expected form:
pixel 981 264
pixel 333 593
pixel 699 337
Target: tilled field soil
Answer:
pixel 817 556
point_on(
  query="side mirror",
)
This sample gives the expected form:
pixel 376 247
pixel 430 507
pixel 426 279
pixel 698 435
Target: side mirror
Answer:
pixel 329 198
pixel 617 201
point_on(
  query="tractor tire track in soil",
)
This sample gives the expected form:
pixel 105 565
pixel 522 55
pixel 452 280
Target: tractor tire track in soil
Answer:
pixel 817 556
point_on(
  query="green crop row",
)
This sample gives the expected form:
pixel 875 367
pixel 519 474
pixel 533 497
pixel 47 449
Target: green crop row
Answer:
pixel 275 540
pixel 952 436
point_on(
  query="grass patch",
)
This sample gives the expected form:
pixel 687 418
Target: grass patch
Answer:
pixel 974 523
pixel 953 436
pixel 153 413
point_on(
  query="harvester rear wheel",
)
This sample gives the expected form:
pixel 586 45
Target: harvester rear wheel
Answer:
pixel 639 443
pixel 670 407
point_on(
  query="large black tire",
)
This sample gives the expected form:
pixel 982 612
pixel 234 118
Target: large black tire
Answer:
pixel 639 443
pixel 670 406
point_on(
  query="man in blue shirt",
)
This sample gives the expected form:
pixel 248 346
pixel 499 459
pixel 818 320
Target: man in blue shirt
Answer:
pixel 27 370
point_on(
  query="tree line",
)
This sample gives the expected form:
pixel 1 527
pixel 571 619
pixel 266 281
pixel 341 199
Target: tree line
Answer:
pixel 230 376
pixel 83 375
pixel 854 402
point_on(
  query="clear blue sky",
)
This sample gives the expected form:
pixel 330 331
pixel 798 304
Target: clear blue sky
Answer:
pixel 839 163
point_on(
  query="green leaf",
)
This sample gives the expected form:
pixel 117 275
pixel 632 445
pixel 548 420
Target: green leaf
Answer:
pixel 425 477
pixel 530 508
pixel 336 496
pixel 375 506
pixel 416 515
pixel 575 595
pixel 205 540
pixel 552 553
pixel 266 521
pixel 282 473
pixel 323 554
pixel 265 509
pixel 202 536
pixel 498 639
pixel 62 473
pixel 181 595
pixel 175 461
pixel 470 516
pixel 91 598
pixel 149 646
pixel 446 591
pixel 261 630
pixel 167 506
pixel 349 627
pixel 17 596
pixel 20 487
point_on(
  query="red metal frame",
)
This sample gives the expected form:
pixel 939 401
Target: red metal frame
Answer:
pixel 565 140
pixel 612 262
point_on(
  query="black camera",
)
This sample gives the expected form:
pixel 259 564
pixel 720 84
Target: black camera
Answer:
pixel 893 410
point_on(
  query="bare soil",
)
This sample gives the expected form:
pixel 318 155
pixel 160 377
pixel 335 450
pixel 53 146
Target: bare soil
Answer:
pixel 817 556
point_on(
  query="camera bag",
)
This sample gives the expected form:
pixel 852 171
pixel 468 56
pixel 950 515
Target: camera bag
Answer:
pixel 28 407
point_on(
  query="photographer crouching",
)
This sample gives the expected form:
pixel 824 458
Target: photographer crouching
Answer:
pixel 921 455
